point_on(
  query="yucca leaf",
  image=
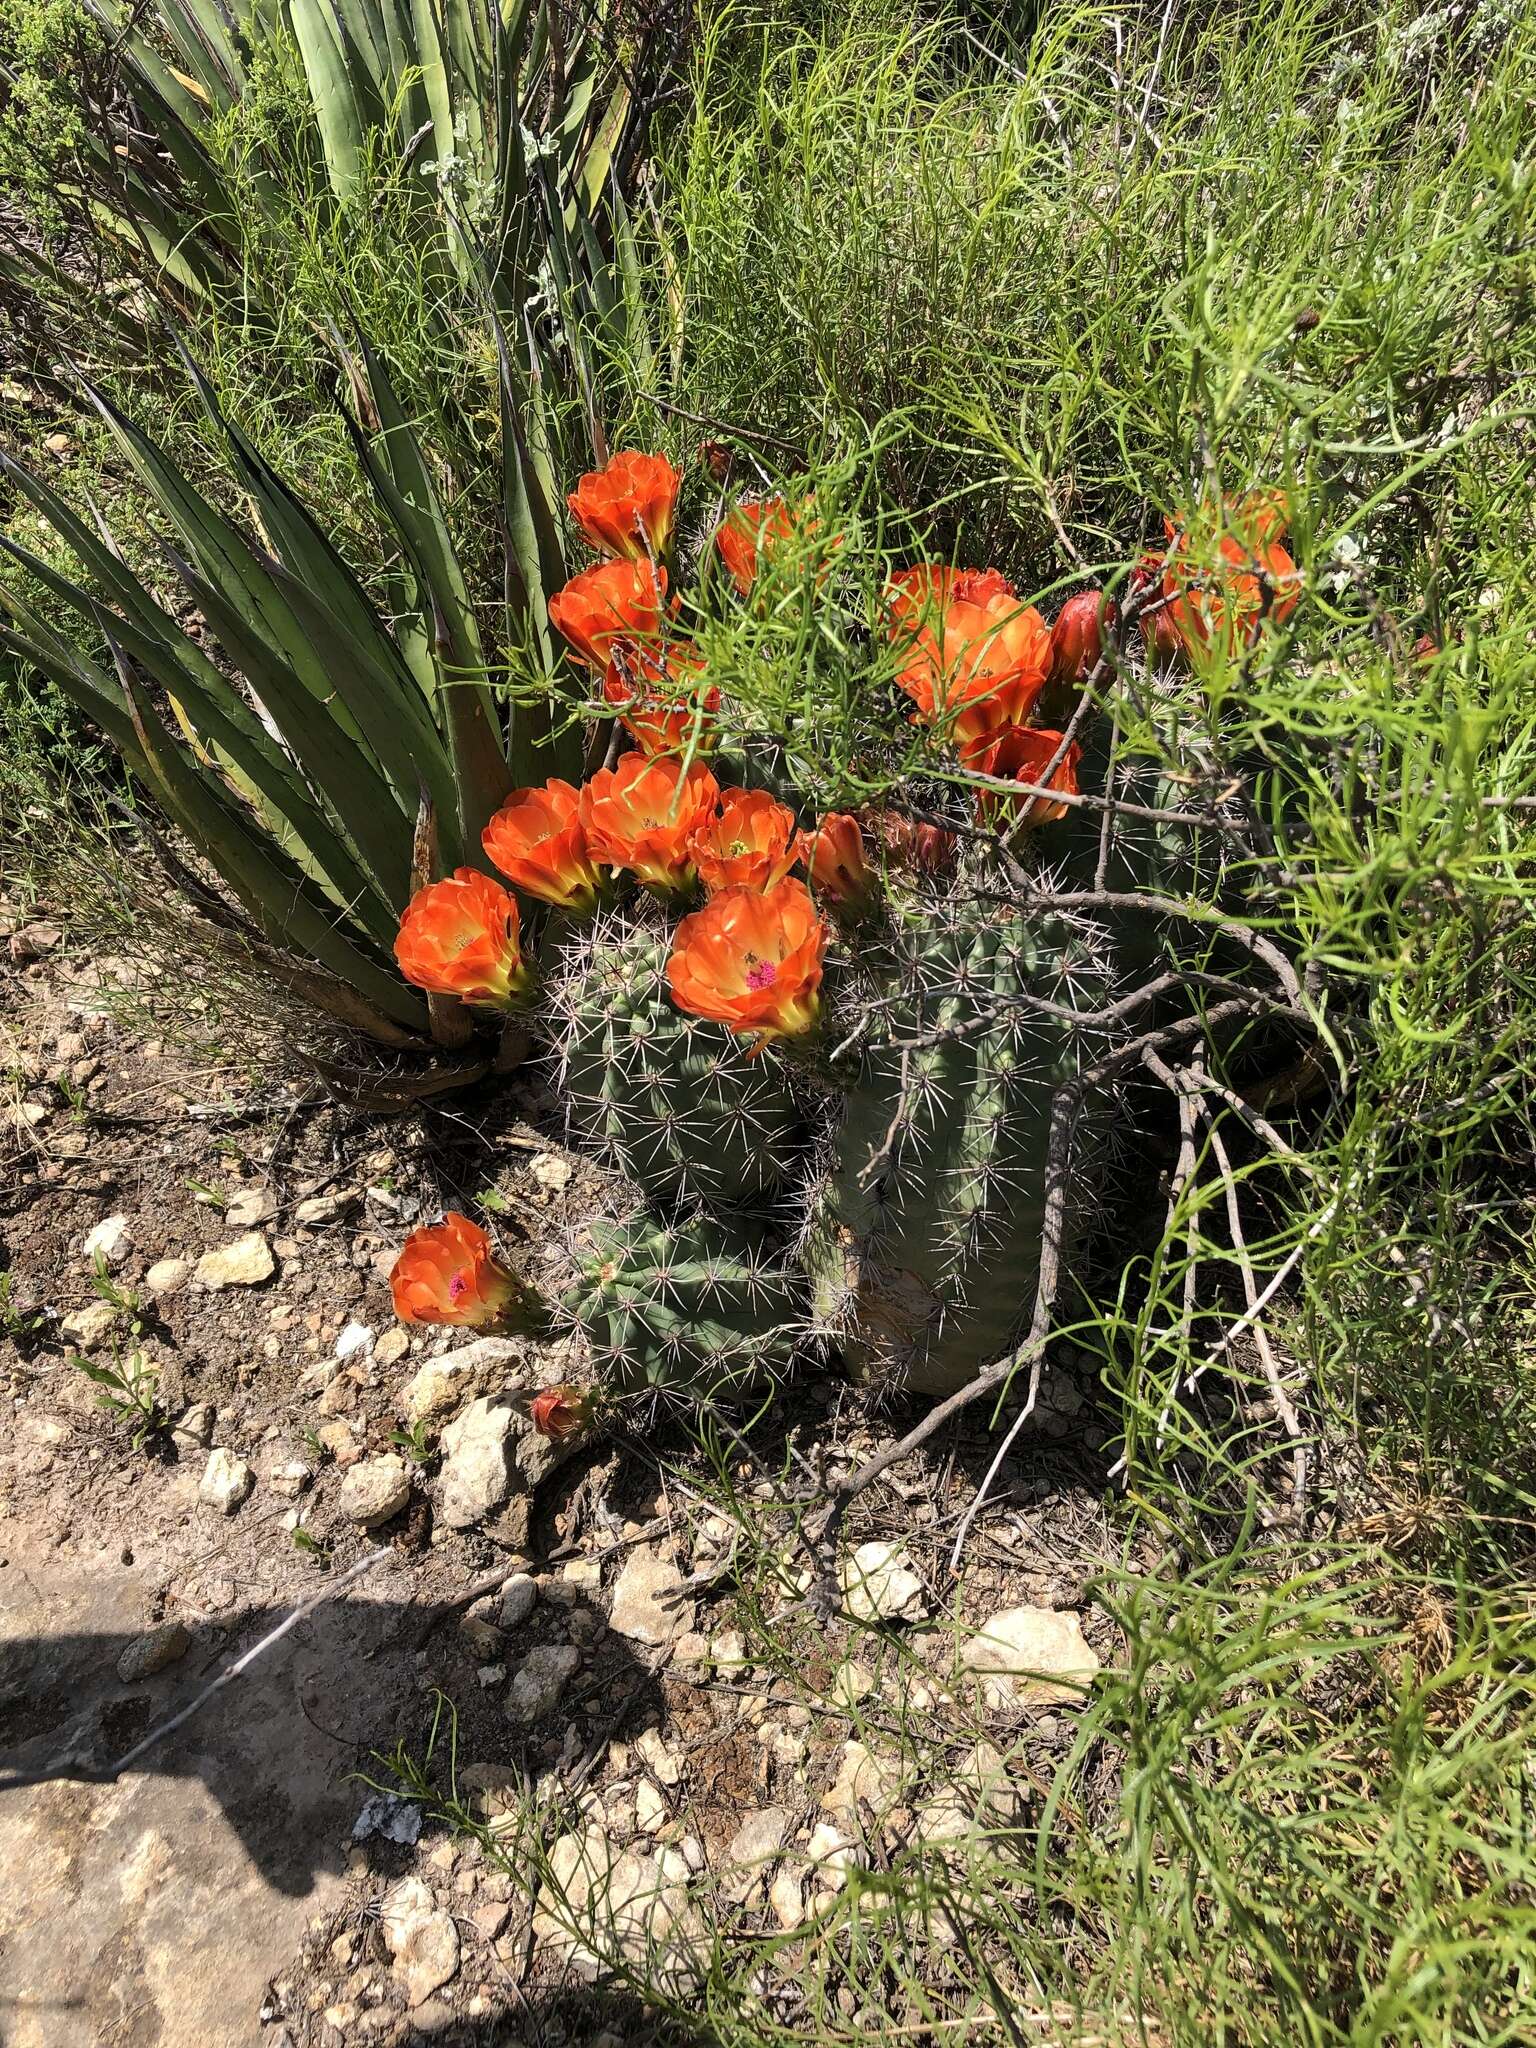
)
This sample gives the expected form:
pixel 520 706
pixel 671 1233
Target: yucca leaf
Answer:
pixel 363 685
pixel 398 470
pixel 345 100
pixel 275 892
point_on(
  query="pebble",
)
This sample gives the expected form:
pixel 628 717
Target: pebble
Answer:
pixel 392 1346
pixel 109 1240
pixel 167 1276
pixel 651 1811
pixel 753 1848
pixel 152 1652
pixel 289 1480
pixel 1031 1656
pixel 658 1759
pixel 252 1206
pixel 476 1477
pixel 226 1481
pixel 198 1422
pixel 356 1340
pixel 373 1490
pixel 649 1605
pixel 541 1678
pixel 863 1779
pixel 244 1263
pixel 421 1937
pixel 519 1595
pixel 879 1584
pixel 89 1327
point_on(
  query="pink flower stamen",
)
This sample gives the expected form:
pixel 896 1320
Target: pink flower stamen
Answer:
pixel 761 974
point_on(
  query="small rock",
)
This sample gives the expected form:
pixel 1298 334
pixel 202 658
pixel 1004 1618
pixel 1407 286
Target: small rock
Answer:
pixel 443 1384
pixel 978 1795
pixel 753 1847
pixel 541 1678
pixel 850 1683
pixel 518 1597
pixel 879 1584
pixel 729 1653
pixel 1031 1656
pixel 244 1263
pixel 658 1759
pixel 109 1240
pixel 388 1815
pixel 691 1648
pixel 392 1346
pixel 481 1638
pixel 551 1171
pixel 651 1812
pixel 167 1276
pixel 477 1467
pixel 585 1574
pixel 496 1792
pixel 89 1327
pixel 421 1937
pixel 289 1480
pixel 356 1340
pixel 317 1209
pixel 863 1779
pixel 831 1853
pixel 197 1423
pixel 490 1920
pixel 649 1605
pixel 786 1896
pixel 249 1207
pixel 339 1441
pixel 374 1490
pixel 153 1652
pixel 226 1481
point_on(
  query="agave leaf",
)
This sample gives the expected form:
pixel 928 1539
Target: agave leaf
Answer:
pixel 346 101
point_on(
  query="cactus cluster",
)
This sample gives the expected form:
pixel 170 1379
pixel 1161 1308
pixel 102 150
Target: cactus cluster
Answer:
pixel 821 1060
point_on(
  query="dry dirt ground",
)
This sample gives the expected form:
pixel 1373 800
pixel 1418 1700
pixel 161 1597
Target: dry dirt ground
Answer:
pixel 652 1737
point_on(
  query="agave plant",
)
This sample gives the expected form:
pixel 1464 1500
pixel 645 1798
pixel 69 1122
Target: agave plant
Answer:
pixel 336 719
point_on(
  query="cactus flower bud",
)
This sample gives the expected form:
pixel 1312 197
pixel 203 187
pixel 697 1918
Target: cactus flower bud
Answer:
pixel 834 863
pixel 561 1412
pixel 1076 638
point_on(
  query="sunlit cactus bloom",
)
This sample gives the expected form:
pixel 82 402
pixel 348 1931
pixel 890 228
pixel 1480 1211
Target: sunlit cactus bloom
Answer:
pixel 1076 636
pixel 1023 753
pixel 446 1273
pixel 834 862
pixel 459 937
pixel 561 1412
pixel 641 814
pixel 537 841
pixel 749 843
pixel 751 959
pixel 659 698
pixel 1222 582
pixel 627 507
pixel 752 533
pixel 612 602
pixel 978 658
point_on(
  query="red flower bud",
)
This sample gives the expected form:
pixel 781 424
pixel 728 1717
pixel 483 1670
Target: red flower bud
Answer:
pixel 1076 641
pixel 563 1411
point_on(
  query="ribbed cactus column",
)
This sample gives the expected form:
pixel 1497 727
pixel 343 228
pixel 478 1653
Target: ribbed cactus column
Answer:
pixel 923 1239
pixel 673 1103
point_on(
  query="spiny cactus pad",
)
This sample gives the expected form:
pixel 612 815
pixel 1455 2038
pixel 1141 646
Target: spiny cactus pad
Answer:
pixel 695 1308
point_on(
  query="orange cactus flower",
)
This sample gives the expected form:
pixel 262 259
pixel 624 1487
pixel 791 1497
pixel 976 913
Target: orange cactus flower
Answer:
pixel 751 534
pixel 447 1274
pixel 751 959
pixel 748 844
pixel 537 841
pixel 661 708
pixel 1219 594
pixel 459 937
pixel 603 605
pixel 835 866
pixel 979 658
pixel 561 1412
pixel 642 813
pixel 626 509
pixel 1076 639
pixel 1022 753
